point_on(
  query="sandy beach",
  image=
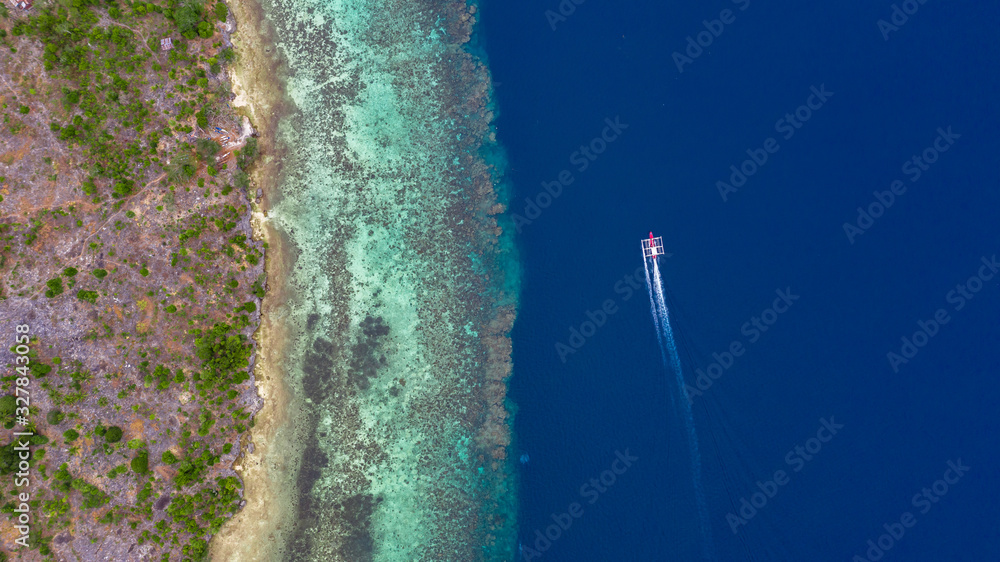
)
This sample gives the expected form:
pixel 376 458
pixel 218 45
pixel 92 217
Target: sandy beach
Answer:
pixel 257 532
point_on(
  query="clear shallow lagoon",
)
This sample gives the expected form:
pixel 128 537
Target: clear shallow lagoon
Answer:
pixel 400 292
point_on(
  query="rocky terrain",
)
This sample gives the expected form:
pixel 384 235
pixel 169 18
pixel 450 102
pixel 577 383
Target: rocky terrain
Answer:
pixel 130 280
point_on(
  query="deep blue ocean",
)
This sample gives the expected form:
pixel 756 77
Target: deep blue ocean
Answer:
pixel 814 440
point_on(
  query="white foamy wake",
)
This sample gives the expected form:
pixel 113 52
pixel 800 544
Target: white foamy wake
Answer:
pixel 671 360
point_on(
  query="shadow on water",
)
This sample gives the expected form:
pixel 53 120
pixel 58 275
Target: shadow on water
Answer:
pixel 354 514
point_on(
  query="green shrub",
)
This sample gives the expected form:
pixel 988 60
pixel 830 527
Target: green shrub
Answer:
pixel 70 97
pixel 113 434
pixel 8 405
pixel 221 11
pixel 205 30
pixel 206 149
pixel 122 188
pixel 55 287
pixel 168 457
pixel 207 421
pixel 63 480
pixel 258 289
pixel 197 549
pixel 88 296
pixel 55 417
pixel 92 495
pixel 70 271
pixel 140 464
pixel 223 355
pixel 241 180
pixel 246 155
pixel 100 273
pixel 71 435
pixel 39 369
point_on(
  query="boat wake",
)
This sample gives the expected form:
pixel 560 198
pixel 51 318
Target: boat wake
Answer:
pixel 652 248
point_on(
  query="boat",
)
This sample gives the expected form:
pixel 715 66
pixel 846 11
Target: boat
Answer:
pixel 652 247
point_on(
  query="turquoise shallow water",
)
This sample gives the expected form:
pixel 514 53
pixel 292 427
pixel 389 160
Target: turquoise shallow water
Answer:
pixel 402 296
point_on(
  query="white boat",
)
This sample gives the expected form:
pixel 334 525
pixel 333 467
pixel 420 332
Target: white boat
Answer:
pixel 652 247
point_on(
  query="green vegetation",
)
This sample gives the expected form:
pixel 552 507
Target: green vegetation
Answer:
pixel 88 296
pixel 105 69
pixel 55 287
pixel 39 369
pixel 8 407
pixel 221 11
pixel 92 495
pixel 113 434
pixel 169 352
pixel 206 149
pixel 55 416
pixel 225 357
pixel 140 464
pixel 9 458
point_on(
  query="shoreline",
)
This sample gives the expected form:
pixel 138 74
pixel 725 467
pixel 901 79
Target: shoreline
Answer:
pixel 259 530
pixel 348 453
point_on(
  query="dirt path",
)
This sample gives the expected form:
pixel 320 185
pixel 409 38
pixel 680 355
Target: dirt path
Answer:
pixel 9 87
pixel 145 42
pixel 116 213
